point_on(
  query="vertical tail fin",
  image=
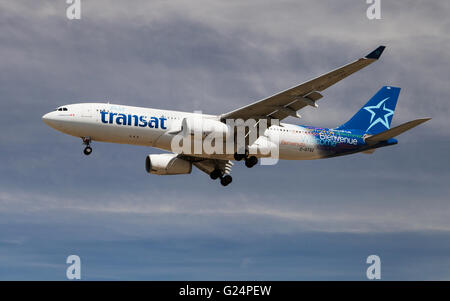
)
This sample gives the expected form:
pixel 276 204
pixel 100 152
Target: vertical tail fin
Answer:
pixel 376 116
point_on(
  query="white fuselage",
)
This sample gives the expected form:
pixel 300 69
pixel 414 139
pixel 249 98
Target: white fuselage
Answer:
pixel 156 128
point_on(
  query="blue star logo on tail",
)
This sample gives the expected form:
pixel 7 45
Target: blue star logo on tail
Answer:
pixel 382 114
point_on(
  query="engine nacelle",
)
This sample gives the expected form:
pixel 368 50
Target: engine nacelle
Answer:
pixel 264 147
pixel 167 164
pixel 203 127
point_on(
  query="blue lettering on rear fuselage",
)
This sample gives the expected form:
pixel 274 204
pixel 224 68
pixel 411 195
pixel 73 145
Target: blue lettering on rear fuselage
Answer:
pixel 133 120
pixel 331 139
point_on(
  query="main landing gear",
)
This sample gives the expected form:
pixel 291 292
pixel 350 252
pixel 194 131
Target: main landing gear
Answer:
pixel 224 179
pixel 88 149
pixel 249 161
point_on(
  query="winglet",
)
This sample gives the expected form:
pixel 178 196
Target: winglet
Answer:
pixel 376 53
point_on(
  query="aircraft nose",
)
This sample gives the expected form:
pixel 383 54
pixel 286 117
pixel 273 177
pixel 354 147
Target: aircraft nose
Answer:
pixel 47 118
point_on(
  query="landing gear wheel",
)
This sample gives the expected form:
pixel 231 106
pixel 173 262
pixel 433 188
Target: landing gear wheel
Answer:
pixel 225 180
pixel 239 157
pixel 251 161
pixel 215 174
pixel 87 150
pixel 87 141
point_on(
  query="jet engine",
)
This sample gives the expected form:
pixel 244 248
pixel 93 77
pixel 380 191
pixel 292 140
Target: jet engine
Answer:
pixel 264 147
pixel 167 164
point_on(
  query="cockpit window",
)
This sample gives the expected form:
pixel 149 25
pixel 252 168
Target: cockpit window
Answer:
pixel 61 109
pixel 64 109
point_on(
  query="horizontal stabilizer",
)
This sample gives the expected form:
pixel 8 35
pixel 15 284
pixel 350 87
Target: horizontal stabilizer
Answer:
pixel 395 131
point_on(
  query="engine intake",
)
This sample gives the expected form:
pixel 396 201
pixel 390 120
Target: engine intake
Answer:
pixel 167 164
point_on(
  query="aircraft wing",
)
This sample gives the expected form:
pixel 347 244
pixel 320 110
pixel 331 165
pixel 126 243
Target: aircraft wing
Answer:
pixel 288 102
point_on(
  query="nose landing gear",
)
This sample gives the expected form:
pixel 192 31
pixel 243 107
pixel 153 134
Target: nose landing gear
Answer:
pixel 88 149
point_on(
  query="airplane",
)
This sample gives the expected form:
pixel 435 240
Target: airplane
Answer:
pixel 368 130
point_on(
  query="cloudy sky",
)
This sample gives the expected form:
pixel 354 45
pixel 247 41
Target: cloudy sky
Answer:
pixel 304 220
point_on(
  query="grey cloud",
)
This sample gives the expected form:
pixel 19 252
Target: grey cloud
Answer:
pixel 217 56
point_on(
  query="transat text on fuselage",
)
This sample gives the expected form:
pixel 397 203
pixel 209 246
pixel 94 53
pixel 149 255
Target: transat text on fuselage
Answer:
pixel 133 120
